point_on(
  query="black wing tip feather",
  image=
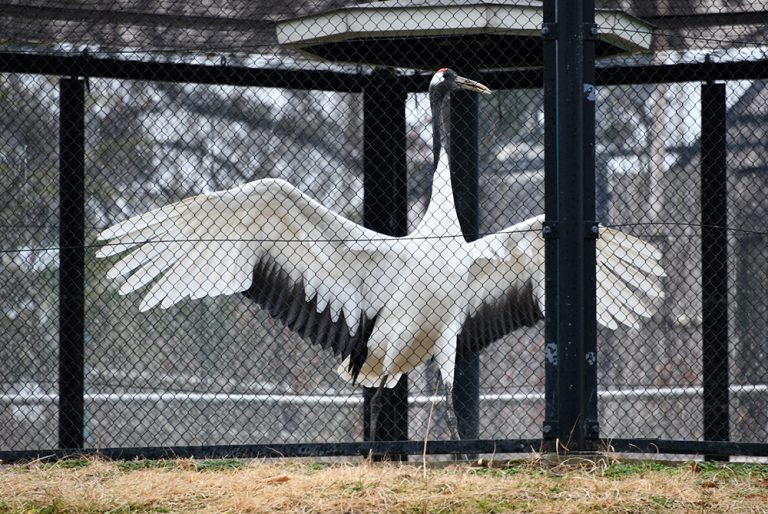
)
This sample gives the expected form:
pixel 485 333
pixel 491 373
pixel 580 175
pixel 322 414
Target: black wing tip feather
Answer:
pixel 518 309
pixel 358 352
pixel 285 301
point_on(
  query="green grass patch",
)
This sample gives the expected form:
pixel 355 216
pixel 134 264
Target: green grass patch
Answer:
pixel 72 463
pixel 207 465
pixel 139 464
pixel 319 466
pixel 356 487
pixel 491 505
pixel 619 470
pixel 662 501
pixel 54 507
pixel 218 465
pixel 725 470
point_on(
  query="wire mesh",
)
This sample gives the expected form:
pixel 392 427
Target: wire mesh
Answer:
pixel 227 368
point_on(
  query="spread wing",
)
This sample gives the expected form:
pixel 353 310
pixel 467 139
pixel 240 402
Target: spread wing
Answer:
pixel 506 284
pixel 318 272
pixel 507 281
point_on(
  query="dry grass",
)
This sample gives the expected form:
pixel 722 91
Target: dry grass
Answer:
pixel 300 486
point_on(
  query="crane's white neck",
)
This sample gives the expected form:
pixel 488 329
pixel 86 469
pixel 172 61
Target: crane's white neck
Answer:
pixel 441 218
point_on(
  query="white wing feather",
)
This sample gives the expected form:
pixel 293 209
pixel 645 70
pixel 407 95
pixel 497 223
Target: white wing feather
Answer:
pixel 628 271
pixel 208 245
pixel 507 259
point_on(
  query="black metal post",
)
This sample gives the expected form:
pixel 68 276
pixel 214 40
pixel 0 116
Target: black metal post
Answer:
pixel 72 261
pixel 385 209
pixel 714 262
pixel 465 181
pixel 550 429
pixel 570 229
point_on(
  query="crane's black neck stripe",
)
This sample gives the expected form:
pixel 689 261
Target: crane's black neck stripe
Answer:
pixel 440 103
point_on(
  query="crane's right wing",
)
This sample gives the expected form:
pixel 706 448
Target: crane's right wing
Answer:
pixel 507 281
pixel 322 274
pixel 506 284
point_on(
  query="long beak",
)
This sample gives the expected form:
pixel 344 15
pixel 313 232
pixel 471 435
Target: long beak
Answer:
pixel 471 85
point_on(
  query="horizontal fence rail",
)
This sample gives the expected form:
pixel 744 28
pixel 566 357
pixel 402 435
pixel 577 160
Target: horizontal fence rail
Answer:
pixel 422 400
pixel 646 446
pixel 344 82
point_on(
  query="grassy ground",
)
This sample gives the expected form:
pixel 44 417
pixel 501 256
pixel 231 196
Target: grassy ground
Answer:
pixel 299 486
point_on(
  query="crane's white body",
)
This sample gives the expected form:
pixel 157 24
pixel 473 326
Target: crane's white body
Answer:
pixel 429 302
pixel 421 289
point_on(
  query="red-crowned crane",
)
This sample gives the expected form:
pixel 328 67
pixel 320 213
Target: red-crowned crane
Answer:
pixel 383 304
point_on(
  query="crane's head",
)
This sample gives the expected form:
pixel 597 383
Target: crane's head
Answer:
pixel 446 80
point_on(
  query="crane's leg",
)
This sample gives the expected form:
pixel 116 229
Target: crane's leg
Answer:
pixel 450 413
pixel 445 358
pixel 450 420
pixel 376 403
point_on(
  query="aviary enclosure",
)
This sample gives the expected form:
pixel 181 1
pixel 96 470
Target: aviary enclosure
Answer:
pixel 113 109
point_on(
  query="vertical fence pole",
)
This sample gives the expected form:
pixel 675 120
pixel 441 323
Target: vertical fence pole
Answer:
pixel 385 209
pixel 570 229
pixel 465 180
pixel 550 429
pixel 72 261
pixel 714 262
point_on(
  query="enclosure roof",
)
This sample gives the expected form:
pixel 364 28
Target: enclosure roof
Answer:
pixel 247 27
pixel 421 34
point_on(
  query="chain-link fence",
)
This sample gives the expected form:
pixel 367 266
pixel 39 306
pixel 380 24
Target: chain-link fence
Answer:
pixel 251 224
